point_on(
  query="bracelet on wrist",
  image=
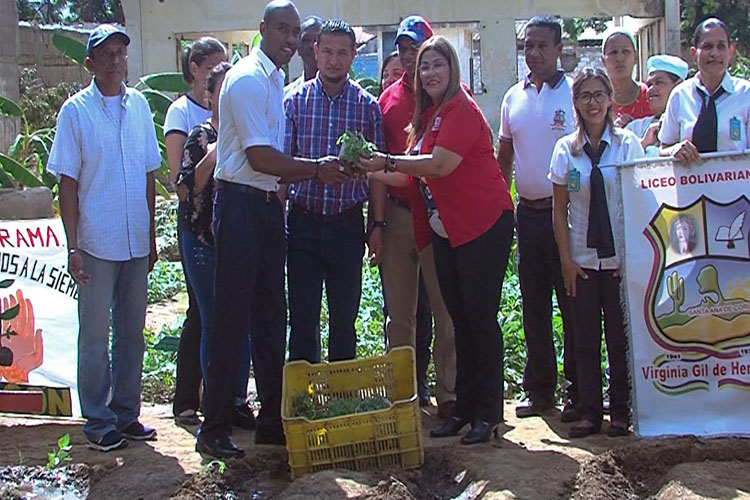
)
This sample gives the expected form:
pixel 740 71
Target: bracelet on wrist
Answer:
pixel 379 223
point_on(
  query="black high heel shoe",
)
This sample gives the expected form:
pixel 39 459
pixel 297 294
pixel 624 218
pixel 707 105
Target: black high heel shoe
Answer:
pixel 480 433
pixel 451 427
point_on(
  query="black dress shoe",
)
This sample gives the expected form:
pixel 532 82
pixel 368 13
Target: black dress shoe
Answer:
pixel 532 408
pixel 569 413
pixel 480 433
pixel 243 417
pixel 451 427
pixel 218 447
pixel 585 428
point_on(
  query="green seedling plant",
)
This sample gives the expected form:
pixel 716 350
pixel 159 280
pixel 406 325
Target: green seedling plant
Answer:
pixel 353 147
pixel 307 405
pixel 220 465
pixel 56 458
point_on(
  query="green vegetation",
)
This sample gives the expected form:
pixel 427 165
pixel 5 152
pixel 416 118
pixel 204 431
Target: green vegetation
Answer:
pixel 353 147
pixel 61 456
pixel 309 406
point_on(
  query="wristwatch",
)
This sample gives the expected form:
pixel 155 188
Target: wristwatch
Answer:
pixel 379 223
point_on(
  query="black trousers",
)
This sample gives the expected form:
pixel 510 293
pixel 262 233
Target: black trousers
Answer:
pixel 330 252
pixel 187 387
pixel 597 295
pixel 471 281
pixel 539 273
pixel 249 284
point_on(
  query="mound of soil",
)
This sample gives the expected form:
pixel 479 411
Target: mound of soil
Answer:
pixel 665 469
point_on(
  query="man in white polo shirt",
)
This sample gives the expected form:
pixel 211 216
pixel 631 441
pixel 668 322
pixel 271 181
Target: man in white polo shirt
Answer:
pixel 535 113
pixel 104 154
pixel 249 232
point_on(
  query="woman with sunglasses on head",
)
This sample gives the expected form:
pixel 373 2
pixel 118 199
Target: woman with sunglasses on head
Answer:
pixel 711 111
pixel 464 199
pixel 187 111
pixel 197 240
pixel 587 230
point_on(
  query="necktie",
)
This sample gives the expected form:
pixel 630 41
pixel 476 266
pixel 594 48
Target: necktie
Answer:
pixel 599 234
pixel 705 130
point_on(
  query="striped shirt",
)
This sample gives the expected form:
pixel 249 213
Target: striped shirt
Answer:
pixel 314 121
pixel 109 158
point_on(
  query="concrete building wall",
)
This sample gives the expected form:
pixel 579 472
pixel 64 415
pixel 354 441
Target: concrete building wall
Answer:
pixel 152 25
pixel 36 50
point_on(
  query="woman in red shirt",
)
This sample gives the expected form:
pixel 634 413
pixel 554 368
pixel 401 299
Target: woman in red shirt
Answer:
pixel 468 208
pixel 630 99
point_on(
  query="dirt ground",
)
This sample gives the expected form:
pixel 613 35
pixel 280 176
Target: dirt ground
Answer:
pixel 533 459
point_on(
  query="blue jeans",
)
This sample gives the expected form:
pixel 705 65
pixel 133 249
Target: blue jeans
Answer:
pixel 200 264
pixel 331 252
pixel 111 394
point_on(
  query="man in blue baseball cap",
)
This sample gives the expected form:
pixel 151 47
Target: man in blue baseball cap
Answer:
pixel 104 154
pixel 101 34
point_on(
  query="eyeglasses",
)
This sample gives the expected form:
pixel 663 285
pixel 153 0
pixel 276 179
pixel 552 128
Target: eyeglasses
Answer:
pixel 587 97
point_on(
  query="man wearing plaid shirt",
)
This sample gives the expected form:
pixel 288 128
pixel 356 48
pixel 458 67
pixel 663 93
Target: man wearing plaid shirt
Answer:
pixel 326 226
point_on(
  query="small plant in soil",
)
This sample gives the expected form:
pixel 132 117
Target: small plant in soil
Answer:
pixel 353 147
pixel 307 405
pixel 61 456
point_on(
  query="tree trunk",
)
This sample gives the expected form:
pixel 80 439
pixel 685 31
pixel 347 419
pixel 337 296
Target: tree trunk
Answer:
pixel 9 77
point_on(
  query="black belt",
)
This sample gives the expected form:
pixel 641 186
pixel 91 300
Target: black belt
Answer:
pixel 538 204
pixel 300 211
pixel 244 188
pixel 400 202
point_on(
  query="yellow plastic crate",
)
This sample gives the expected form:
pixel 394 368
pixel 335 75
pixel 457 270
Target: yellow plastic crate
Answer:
pixel 382 439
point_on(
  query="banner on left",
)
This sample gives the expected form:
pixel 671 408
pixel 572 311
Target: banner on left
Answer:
pixel 39 337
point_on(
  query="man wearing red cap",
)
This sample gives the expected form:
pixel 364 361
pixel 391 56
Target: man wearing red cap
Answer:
pixel 405 253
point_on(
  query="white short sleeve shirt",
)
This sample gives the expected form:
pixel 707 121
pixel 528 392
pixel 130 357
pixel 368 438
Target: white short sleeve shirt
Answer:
pixel 109 158
pixel 184 114
pixel 251 113
pixel 563 162
pixel 534 121
pixel 732 112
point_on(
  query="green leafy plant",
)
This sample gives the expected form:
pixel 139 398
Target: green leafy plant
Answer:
pixel 219 465
pixel 310 406
pixel 61 456
pixel 353 147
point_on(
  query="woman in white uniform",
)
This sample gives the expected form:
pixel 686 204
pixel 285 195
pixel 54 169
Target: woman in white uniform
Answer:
pixel 709 112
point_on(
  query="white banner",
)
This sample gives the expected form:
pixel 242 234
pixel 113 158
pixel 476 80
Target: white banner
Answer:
pixel 38 342
pixel 687 272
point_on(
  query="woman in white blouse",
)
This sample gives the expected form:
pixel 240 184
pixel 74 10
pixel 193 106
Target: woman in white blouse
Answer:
pixel 586 225
pixel 709 112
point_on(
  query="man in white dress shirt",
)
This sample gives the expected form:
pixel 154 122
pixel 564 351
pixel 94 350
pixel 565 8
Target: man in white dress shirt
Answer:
pixel 104 154
pixel 249 232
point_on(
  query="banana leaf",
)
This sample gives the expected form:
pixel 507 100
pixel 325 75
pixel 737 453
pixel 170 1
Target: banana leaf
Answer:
pixel 166 82
pixel 159 104
pixel 70 47
pixel 17 147
pixel 162 190
pixel 9 107
pixel 19 172
pixel 5 180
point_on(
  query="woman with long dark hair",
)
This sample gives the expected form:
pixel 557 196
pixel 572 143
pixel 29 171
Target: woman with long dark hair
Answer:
pixel 467 205
pixel 586 224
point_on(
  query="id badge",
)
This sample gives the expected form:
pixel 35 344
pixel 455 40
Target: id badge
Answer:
pixel 574 181
pixel 735 128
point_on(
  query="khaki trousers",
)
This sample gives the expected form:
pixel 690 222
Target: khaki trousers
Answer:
pixel 400 268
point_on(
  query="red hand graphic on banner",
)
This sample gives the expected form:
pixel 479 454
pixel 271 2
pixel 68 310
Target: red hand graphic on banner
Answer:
pixel 18 335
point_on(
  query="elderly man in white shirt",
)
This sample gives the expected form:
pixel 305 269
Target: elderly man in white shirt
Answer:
pixel 249 232
pixel 104 154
